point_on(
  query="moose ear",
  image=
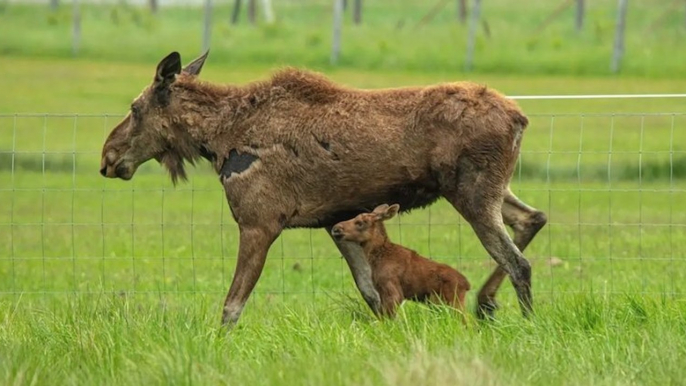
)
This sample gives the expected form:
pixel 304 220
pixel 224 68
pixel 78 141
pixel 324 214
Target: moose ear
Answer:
pixel 384 212
pixel 167 70
pixel 194 67
pixel 380 210
pixel 389 212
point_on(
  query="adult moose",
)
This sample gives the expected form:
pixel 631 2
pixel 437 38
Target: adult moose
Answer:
pixel 300 151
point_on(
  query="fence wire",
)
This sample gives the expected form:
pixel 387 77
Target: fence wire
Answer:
pixel 612 186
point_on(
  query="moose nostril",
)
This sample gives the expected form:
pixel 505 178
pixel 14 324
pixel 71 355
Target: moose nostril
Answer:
pixel 103 171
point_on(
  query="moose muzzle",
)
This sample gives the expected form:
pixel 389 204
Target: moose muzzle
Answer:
pixel 115 170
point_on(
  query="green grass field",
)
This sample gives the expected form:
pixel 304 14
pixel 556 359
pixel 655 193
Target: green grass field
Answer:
pixel 111 282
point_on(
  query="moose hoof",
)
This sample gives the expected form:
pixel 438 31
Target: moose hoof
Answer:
pixel 486 309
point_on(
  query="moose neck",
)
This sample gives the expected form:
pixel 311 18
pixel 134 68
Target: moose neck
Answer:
pixel 202 107
pixel 206 113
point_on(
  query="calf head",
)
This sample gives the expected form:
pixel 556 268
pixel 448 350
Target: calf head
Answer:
pixel 147 130
pixel 366 226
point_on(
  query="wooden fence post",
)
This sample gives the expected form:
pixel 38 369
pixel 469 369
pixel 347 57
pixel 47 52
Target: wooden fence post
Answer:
pixel 337 24
pixel 153 6
pixel 251 11
pixel 618 51
pixel 471 37
pixel 268 11
pixel 462 11
pixel 357 12
pixel 235 14
pixel 207 26
pixel 76 29
pixel 579 15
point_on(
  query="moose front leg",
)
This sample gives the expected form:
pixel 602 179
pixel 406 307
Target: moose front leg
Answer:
pixel 361 271
pixel 252 252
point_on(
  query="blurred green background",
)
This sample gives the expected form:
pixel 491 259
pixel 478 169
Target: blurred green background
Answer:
pixel 531 38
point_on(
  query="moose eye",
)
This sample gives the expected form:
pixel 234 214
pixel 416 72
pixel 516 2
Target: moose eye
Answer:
pixel 135 111
pixel 359 224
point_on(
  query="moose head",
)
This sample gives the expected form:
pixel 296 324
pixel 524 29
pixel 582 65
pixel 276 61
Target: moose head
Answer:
pixel 148 130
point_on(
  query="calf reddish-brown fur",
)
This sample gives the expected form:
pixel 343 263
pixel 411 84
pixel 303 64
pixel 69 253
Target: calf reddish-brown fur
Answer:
pixel 399 273
pixel 297 150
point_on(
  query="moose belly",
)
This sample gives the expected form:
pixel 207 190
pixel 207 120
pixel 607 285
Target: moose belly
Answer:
pixel 348 202
pixel 407 196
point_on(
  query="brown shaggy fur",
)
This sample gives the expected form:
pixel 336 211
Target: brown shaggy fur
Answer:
pixel 300 151
pixel 399 273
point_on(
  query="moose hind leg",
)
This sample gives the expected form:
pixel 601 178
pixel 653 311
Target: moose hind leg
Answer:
pixel 478 195
pixel 490 230
pixel 526 222
pixel 252 252
pixel 361 271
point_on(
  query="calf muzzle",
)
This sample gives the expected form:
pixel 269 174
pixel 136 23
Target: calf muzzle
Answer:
pixel 337 232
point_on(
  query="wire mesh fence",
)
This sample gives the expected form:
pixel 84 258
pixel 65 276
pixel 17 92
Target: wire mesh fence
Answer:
pixel 612 186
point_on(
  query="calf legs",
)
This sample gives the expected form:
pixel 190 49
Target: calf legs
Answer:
pixel 391 297
pixel 525 221
pixel 455 295
pixel 457 300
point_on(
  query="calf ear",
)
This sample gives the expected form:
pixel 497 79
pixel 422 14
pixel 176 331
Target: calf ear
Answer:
pixel 390 212
pixel 380 210
pixel 167 70
pixel 194 67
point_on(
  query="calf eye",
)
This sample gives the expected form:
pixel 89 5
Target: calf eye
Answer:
pixel 359 224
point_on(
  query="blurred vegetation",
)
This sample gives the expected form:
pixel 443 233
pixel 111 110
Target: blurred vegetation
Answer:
pixel 389 38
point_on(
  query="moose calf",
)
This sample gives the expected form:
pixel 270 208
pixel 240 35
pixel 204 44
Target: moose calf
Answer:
pixel 399 273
